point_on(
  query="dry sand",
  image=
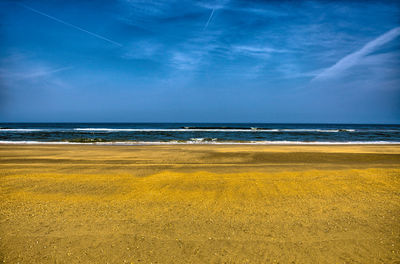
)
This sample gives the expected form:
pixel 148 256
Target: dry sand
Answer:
pixel 199 204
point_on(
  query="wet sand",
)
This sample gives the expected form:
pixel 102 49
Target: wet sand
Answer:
pixel 199 204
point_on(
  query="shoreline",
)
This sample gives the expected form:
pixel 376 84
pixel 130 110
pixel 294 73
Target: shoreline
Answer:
pixel 191 143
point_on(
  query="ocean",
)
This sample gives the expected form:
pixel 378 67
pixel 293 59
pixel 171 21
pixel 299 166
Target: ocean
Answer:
pixel 197 133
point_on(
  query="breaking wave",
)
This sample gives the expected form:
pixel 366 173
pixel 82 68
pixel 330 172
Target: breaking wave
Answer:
pixel 203 141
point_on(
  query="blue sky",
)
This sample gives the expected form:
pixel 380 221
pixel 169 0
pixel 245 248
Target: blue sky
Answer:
pixel 200 61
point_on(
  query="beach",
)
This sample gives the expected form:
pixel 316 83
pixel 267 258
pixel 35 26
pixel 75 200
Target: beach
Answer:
pixel 199 203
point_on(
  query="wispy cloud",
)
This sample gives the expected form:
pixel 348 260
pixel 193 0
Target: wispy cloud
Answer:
pixel 193 53
pixel 354 58
pixel 19 70
pixel 291 70
pixel 39 71
pixel 142 50
pixel 184 61
pixel 215 5
pixel 42 72
pixel 262 12
pixel 256 51
pixel 70 25
pixel 154 15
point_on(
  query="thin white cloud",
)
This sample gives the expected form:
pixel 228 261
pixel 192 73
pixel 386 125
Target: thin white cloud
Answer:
pixel 38 71
pixel 71 25
pixel 20 72
pixel 356 57
pixel 142 50
pixel 219 4
pixel 148 8
pixel 183 61
pixel 262 12
pixel 192 53
pixel 256 51
pixel 44 72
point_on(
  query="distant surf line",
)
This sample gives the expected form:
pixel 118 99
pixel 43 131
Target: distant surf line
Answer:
pixel 200 142
pixel 109 130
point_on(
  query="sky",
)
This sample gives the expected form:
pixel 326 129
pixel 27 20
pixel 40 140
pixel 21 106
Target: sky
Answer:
pixel 200 61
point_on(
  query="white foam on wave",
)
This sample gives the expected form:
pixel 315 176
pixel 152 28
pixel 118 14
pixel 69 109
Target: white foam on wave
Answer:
pixel 208 130
pixel 199 140
pixel 168 130
pixel 174 142
pixel 265 143
pixel 252 130
pixel 314 130
pixel 39 142
pixel 22 130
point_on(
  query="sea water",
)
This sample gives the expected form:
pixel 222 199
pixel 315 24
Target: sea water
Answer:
pixel 198 133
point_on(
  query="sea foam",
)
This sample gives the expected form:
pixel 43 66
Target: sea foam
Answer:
pixel 202 141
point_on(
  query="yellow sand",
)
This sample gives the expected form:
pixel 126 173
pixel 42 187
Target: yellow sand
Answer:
pixel 199 204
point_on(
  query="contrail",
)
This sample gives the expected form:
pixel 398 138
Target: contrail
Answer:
pixel 354 58
pixel 71 25
pixel 209 19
